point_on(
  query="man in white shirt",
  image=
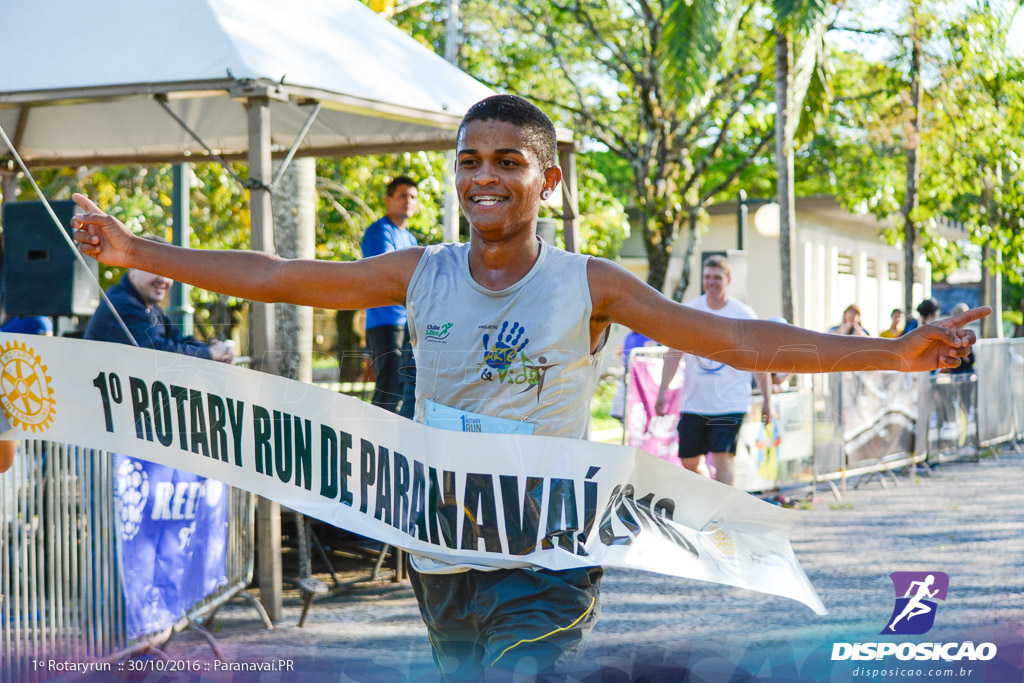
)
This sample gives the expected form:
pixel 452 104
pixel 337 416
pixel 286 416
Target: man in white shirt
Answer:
pixel 715 395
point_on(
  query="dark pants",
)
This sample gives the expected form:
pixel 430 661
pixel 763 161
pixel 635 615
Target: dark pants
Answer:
pixel 385 346
pixel 513 620
pixel 407 374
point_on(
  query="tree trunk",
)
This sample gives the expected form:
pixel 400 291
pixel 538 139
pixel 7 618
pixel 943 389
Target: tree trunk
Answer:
pixel 786 195
pixel 991 275
pixel 691 246
pixel 350 344
pixel 913 176
pixel 1018 330
pixel 658 252
pixel 294 234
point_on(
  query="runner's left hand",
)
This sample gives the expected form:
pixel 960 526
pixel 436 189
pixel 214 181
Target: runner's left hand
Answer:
pixel 940 344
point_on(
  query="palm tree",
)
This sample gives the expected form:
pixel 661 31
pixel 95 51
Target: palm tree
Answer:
pixel 802 94
pixel 695 31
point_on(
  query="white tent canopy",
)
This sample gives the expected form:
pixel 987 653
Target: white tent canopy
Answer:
pixel 82 79
pixel 144 81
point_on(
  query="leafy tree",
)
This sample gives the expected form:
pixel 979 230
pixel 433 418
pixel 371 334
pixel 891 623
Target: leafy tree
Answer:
pixel 141 197
pixel 602 221
pixel 957 130
pixel 799 24
pixel 977 141
pixel 606 69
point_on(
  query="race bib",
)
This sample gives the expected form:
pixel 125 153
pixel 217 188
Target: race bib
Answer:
pixel 455 420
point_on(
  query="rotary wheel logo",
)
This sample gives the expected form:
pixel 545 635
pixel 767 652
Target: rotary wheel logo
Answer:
pixel 26 393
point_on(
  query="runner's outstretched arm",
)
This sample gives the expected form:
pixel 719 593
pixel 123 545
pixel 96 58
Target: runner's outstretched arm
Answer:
pixel 7 449
pixel 763 346
pixel 378 281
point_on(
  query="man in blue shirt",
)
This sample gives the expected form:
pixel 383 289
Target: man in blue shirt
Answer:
pixel 385 326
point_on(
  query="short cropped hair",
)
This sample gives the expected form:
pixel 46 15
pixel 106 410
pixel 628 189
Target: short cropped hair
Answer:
pixel 535 124
pixel 400 181
pixel 895 311
pixel 719 262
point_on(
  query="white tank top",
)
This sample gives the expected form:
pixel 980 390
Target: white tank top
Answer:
pixel 522 353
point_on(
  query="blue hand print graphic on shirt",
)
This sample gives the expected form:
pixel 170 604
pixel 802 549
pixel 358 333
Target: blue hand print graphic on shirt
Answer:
pixel 505 348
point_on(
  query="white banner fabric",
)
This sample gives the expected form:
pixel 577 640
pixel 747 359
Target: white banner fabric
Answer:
pixel 501 500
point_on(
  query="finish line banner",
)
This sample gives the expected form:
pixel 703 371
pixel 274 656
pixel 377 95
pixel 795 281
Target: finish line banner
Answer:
pixel 499 500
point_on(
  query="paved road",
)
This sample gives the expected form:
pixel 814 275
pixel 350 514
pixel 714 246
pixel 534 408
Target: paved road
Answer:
pixel 966 520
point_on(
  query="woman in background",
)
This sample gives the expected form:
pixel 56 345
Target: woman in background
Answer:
pixel 851 323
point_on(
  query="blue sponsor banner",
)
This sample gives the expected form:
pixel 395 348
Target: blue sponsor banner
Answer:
pixel 173 531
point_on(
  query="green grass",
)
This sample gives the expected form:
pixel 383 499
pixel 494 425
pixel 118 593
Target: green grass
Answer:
pixel 323 360
pixel 600 404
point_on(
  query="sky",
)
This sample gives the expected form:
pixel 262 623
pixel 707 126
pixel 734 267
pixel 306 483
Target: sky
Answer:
pixel 1015 41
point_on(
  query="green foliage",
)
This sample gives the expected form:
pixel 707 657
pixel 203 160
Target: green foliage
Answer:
pixel 696 31
pixel 979 118
pixel 608 71
pixel 140 196
pixel 351 194
pixel 971 137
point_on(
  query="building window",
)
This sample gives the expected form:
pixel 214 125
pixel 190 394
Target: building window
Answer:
pixel 845 264
pixel 894 270
pixel 872 268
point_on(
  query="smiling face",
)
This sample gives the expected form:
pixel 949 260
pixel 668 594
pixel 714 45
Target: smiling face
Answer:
pixel 152 288
pixel 716 284
pixel 499 178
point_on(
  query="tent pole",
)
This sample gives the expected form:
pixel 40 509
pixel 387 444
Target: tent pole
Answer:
pixel 261 327
pixel 570 205
pixel 283 166
pixel 181 309
pixel 162 101
pixel 8 183
pixel 450 222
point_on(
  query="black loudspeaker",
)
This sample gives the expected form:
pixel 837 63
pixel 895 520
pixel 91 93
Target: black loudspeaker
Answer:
pixel 41 274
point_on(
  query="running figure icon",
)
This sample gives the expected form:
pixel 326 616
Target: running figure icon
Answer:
pixel 915 607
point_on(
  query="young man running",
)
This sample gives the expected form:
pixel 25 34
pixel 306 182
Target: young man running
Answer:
pixel 512 300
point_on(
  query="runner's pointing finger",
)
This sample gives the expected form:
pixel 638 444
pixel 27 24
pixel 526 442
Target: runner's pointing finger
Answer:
pixel 89 205
pixel 961 319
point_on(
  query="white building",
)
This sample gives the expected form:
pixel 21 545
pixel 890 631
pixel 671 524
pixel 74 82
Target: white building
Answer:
pixel 840 259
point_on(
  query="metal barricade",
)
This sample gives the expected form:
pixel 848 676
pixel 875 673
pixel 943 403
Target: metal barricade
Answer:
pixel 1017 380
pixel 239 559
pixel 828 425
pixel 865 424
pixel 61 592
pixel 758 466
pixel 782 457
pixel 868 423
pixel 995 360
pixel 950 428
pixel 58 576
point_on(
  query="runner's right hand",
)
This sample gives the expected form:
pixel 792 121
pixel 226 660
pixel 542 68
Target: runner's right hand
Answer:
pixel 101 236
